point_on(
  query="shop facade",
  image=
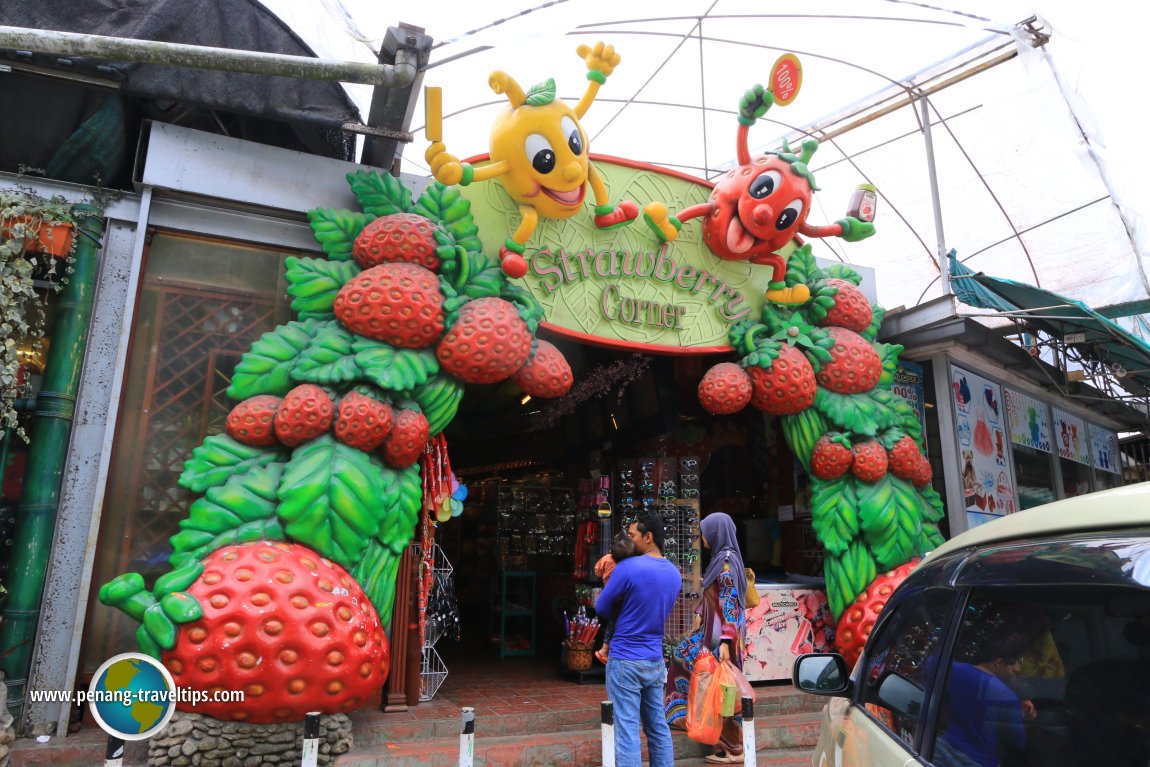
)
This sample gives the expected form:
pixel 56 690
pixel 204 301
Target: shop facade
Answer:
pixel 192 274
pixel 1006 437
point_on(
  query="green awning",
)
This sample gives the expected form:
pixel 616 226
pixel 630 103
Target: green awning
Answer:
pixel 1071 321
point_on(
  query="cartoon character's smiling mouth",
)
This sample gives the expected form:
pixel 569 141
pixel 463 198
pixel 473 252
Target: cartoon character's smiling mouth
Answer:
pixel 570 198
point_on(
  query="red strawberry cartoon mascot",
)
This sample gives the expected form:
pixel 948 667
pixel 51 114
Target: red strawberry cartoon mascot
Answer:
pixel 812 359
pixel 759 206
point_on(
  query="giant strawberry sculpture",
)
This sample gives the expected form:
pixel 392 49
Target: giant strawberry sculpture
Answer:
pixel 817 366
pixel 284 571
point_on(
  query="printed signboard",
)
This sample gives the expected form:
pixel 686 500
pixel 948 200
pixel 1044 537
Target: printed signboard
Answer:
pixel 1028 419
pixel 1070 436
pixel 1104 449
pixel 987 483
pixel 908 384
pixel 622 287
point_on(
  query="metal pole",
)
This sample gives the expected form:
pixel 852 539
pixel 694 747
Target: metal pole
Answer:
pixel 466 736
pixel 397 75
pixel 749 732
pixel 936 203
pixel 310 739
pixel 114 752
pixel 607 732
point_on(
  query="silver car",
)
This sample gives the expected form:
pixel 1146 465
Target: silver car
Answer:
pixel 1025 641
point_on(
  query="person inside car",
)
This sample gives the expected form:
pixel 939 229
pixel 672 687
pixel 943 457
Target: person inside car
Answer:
pixel 982 715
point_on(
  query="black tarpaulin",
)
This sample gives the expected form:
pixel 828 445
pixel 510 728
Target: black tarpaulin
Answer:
pixel 313 109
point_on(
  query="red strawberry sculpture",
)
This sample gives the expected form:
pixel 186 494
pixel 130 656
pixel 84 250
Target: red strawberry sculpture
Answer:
pixel 726 388
pixel 488 343
pixel 869 461
pixel 397 303
pixel 830 458
pixel 817 365
pixel 851 309
pixel 252 422
pixel 784 386
pixel 903 458
pixel 289 628
pixel 407 438
pixel 854 366
pixel 546 372
pixel 859 618
pixel 305 413
pixel 283 572
pixel 363 422
pixel 404 237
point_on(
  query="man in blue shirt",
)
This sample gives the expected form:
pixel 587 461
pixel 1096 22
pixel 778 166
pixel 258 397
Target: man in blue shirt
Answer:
pixel 983 714
pixel 640 594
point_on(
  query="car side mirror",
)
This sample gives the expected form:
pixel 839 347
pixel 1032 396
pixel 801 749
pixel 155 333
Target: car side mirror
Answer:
pixel 821 674
pixel 899 694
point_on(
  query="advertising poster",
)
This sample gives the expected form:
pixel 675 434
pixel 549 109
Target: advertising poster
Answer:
pixel 1104 448
pixel 1070 436
pixel 788 621
pixel 980 420
pixel 1028 419
pixel 908 384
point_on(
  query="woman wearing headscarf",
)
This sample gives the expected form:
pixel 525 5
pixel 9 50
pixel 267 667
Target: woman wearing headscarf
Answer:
pixel 721 627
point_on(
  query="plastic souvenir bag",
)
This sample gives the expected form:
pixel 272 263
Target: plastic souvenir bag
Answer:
pixel 704 702
pixel 733 686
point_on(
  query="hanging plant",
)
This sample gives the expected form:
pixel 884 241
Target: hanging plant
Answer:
pixel 36 250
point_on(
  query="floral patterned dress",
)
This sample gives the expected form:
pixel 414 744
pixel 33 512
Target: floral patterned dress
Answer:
pixel 723 618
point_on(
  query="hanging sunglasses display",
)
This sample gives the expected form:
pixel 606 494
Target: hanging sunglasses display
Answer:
pixel 670 488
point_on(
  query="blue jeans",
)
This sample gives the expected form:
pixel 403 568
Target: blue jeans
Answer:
pixel 635 689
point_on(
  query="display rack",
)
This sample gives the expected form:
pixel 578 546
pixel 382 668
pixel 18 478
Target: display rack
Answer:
pixel 513 613
pixel 441 619
pixel 670 487
pixel 536 527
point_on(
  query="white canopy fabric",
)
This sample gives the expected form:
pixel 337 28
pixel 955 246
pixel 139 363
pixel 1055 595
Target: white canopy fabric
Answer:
pixel 1040 176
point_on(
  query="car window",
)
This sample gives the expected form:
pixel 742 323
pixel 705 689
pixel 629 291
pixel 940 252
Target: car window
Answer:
pixel 1058 676
pixel 901 658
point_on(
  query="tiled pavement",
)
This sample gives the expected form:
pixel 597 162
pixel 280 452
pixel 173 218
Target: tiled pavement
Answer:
pixel 526 716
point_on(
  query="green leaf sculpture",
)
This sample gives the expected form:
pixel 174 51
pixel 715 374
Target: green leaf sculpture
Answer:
pixel 331 496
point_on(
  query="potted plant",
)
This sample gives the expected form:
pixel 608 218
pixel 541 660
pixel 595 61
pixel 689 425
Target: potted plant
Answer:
pixel 33 231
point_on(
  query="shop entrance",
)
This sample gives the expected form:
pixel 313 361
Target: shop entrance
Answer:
pixel 631 434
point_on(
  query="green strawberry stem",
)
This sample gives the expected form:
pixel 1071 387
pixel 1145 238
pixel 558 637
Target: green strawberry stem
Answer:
pixel 181 607
pixel 148 645
pixel 177 580
pixel 127 593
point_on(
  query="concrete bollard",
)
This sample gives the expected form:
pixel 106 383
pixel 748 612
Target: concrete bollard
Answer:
pixel 607 730
pixel 466 737
pixel 114 752
pixel 310 739
pixel 748 732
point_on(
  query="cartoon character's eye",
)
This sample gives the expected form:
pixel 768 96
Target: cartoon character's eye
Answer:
pixel 574 135
pixel 789 215
pixel 765 184
pixel 540 153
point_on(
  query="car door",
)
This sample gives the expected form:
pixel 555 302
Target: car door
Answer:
pixel 882 725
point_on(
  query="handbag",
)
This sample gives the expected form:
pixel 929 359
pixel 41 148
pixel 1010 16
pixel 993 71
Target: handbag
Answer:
pixel 752 592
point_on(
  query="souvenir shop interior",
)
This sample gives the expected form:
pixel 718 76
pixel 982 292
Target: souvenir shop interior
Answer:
pixel 548 482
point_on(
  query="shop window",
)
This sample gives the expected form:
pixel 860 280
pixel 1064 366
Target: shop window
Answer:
pixel 1035 475
pixel 1075 478
pixel 1104 480
pixel 202 304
